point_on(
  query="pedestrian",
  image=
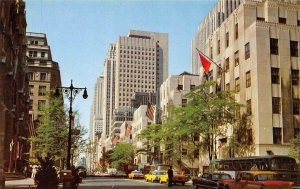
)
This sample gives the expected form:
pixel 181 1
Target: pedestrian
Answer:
pixel 170 177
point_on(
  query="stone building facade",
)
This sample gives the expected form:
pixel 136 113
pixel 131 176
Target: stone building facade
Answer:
pixel 14 96
pixel 257 46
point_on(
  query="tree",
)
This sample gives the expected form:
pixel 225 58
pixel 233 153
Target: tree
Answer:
pixel 295 148
pixel 46 176
pixel 121 155
pixel 52 130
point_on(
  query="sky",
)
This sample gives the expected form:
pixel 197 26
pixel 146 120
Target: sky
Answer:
pixel 80 31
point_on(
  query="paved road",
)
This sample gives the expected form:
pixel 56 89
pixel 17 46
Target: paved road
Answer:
pixel 101 183
pixel 119 183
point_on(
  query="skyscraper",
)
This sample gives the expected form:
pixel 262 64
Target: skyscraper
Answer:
pixel 137 62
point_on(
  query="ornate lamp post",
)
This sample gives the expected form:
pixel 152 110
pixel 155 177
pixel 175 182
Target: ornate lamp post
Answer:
pixel 70 92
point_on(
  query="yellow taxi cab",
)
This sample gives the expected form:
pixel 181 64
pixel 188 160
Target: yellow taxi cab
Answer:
pixel 154 176
pixel 257 180
pixel 177 178
pixel 135 174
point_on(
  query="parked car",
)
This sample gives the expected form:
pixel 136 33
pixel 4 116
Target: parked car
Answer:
pixel 257 180
pixel 177 178
pixel 135 174
pixel 211 180
pixel 154 176
pixel 120 174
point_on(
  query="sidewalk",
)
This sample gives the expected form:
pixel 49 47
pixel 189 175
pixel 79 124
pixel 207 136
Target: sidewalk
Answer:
pixel 20 183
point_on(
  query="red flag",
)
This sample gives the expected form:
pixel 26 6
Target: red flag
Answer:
pixel 205 62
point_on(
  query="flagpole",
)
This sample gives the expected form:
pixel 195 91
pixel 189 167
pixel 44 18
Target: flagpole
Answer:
pixel 209 59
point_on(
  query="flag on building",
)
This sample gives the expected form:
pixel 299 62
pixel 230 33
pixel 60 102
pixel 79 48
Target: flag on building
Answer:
pixel 204 61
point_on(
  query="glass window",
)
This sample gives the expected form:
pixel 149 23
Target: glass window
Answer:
pixel 294 48
pixel 282 20
pixel 249 107
pixel 236 31
pixel 248 79
pixel 41 104
pixel 236 58
pixel 260 19
pixel 227 64
pixel 31 88
pixel 295 77
pixel 227 39
pixel 276 105
pixel 274 46
pixel 275 75
pixel 237 84
pixel 296 106
pixel 43 77
pixel 247 51
pixel 180 87
pixel 277 135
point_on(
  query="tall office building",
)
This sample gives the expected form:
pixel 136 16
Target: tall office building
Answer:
pixel 43 73
pixel 137 62
pixel 257 45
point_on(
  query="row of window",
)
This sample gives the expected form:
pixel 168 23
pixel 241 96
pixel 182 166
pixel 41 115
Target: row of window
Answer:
pixel 42 76
pixel 275 76
pixel 275 50
pixel 41 104
pixel 35 54
pixel 139 57
pixel 137 48
pixel 134 62
pixel 42 90
pixel 137 52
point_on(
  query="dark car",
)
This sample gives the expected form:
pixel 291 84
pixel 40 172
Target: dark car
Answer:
pixel 211 180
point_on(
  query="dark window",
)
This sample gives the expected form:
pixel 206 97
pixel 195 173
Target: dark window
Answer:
pixel 260 19
pixel 248 79
pixel 30 104
pixel 249 107
pixel 236 58
pixel 43 54
pixel 192 87
pixel 296 106
pixel 294 48
pixel 277 135
pixel 196 153
pixel 298 22
pixel 41 104
pixel 219 47
pixel 42 90
pixel 237 84
pixel 282 20
pixel 276 105
pixel 43 77
pixel 180 87
pixel 227 39
pixel 295 77
pixel 30 76
pixel 31 88
pixel 227 65
pixel 211 52
pixel 236 30
pixel 275 75
pixel 274 46
pixel 247 51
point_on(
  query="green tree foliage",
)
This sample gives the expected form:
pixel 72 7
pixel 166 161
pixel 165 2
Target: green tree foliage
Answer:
pixel 52 131
pixel 78 140
pixel 121 155
pixel 206 115
pixel 295 148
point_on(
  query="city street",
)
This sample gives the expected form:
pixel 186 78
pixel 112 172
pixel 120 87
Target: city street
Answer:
pixel 100 182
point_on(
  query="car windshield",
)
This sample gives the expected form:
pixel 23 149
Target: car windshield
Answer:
pixel 264 177
pixel 136 172
pixel 221 177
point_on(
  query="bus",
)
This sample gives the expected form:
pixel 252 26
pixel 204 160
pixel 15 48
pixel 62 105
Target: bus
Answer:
pixel 275 163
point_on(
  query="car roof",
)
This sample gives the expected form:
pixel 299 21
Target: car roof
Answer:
pixel 259 172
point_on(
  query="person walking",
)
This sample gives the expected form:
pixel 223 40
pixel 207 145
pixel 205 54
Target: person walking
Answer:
pixel 170 177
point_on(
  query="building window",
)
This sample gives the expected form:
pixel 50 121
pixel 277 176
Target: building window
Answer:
pixel 43 54
pixel 295 77
pixel 237 84
pixel 298 22
pixel 249 107
pixel 248 79
pixel 196 153
pixel 276 105
pixel 236 30
pixel 247 51
pixel 219 47
pixel 180 87
pixel 42 90
pixel 30 76
pixel 296 106
pixel 282 20
pixel 294 48
pixel 227 39
pixel 192 87
pixel 31 87
pixel 43 77
pixel 274 46
pixel 30 104
pixel 277 135
pixel 183 102
pixel 236 58
pixel 227 64
pixel 260 19
pixel 275 75
pixel 41 104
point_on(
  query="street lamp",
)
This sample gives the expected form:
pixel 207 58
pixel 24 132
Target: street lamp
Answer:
pixel 70 92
